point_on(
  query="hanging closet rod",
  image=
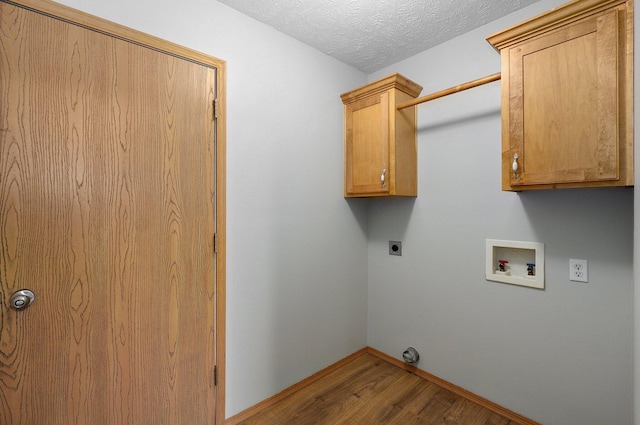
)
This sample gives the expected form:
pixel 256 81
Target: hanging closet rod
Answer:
pixel 451 90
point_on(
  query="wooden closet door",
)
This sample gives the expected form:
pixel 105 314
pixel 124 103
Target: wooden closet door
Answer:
pixel 107 214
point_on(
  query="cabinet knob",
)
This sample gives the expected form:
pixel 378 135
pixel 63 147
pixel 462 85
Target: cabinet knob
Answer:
pixel 382 176
pixel 515 166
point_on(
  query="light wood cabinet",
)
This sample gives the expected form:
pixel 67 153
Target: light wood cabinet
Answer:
pixel 567 97
pixel 380 141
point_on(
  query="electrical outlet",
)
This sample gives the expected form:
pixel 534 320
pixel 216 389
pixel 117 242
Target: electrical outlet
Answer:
pixel 395 248
pixel 578 270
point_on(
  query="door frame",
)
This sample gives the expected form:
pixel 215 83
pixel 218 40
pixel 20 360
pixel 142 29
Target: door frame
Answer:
pixel 85 20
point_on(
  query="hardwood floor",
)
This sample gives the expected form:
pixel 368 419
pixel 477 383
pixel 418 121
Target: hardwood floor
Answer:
pixel 369 390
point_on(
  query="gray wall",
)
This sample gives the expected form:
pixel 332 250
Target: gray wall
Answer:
pixel 560 356
pixel 309 278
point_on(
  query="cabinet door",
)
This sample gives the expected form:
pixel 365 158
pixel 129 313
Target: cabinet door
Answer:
pixel 564 105
pixel 367 146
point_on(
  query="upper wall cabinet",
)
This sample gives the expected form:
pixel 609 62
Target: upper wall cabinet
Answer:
pixel 567 97
pixel 380 142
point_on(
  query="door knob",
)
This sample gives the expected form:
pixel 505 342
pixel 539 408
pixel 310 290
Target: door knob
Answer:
pixel 22 299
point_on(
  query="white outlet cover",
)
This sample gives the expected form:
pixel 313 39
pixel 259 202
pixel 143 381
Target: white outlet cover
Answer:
pixel 578 270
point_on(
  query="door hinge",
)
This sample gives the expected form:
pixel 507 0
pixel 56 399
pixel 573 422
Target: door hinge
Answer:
pixel 215 376
pixel 215 109
pixel 215 243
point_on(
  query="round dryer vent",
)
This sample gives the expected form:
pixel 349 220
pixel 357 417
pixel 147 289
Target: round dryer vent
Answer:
pixel 411 355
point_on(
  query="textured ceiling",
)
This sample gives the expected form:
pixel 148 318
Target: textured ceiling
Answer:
pixel 372 34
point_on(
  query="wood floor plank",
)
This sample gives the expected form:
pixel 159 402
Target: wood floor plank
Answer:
pixel 371 391
pixel 383 405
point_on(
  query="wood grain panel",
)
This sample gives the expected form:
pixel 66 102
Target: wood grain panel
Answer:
pixel 367 149
pixel 568 104
pixel 567 97
pixel 107 214
pixel 380 140
pixel 405 155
